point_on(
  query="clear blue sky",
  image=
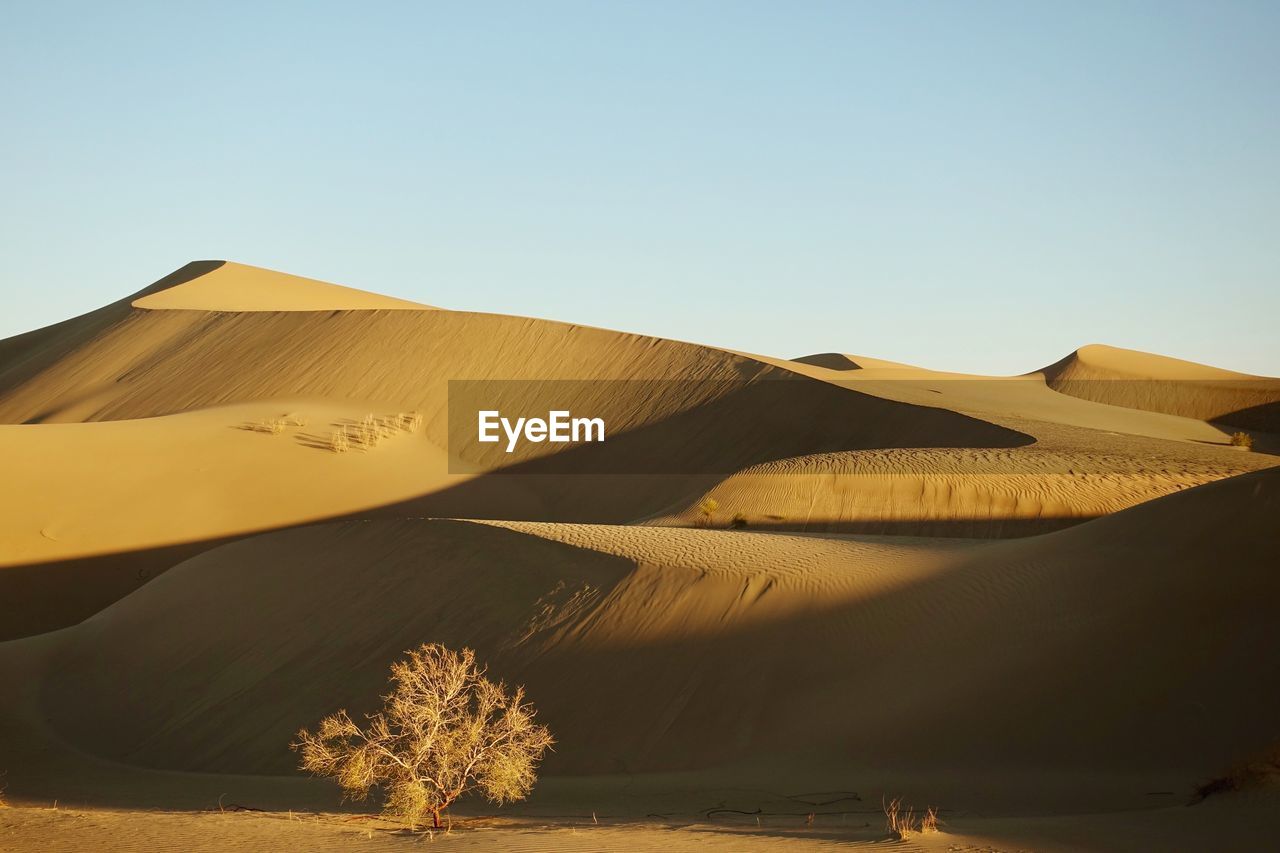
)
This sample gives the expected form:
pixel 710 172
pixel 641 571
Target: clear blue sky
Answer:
pixel 972 186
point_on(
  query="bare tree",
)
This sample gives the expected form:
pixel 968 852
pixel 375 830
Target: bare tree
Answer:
pixel 445 730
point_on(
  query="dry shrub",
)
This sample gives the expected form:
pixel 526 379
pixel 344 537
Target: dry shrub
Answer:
pixel 1242 439
pixel 901 822
pixel 292 419
pixel 368 432
pixel 707 509
pixel 275 426
pixel 445 730
pixel 371 430
pixel 899 819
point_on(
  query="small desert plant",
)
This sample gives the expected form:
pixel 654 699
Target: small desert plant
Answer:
pixel 739 521
pixel 1242 439
pixel 445 730
pixel 292 419
pixel 275 426
pixel 707 509
pixel 901 823
pixel 367 432
pixel 899 819
pixel 370 431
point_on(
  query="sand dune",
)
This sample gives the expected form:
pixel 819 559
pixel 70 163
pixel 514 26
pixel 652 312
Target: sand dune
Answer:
pixel 636 641
pixel 153 403
pixel 171 390
pixel 989 676
pixel 166 488
pixel 1025 598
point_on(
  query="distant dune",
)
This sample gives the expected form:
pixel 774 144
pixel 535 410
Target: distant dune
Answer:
pixel 1160 384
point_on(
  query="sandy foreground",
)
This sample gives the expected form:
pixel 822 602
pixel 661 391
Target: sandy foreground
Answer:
pixel 1043 604
pixel 1241 825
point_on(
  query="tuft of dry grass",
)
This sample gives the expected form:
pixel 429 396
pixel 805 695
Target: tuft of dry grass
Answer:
pixel 901 821
pixel 1242 439
pixel 371 430
pixel 274 426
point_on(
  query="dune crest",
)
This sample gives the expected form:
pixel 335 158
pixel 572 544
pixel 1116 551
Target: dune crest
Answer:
pixel 240 287
pixel 1102 361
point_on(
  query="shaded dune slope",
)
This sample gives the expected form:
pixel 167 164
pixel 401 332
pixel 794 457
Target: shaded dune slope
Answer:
pixel 1134 642
pixel 25 356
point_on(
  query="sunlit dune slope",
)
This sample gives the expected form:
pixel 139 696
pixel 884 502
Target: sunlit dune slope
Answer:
pixel 991 492
pixel 1129 643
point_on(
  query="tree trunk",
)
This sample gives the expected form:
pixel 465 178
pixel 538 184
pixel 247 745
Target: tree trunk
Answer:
pixel 435 818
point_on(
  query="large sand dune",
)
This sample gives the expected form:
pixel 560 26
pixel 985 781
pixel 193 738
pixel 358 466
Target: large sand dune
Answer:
pixel 1119 657
pixel 1130 643
pixel 165 392
pixel 1065 605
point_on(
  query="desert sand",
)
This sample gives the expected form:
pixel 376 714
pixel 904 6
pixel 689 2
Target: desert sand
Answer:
pixel 781 591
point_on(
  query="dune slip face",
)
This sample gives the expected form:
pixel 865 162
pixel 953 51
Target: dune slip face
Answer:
pixel 751 597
